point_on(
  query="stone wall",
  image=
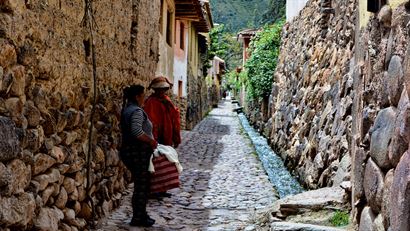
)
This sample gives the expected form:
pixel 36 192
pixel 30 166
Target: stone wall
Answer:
pixel 312 96
pixel 194 102
pixel 45 106
pixel 381 122
pixel 199 93
pixel 181 103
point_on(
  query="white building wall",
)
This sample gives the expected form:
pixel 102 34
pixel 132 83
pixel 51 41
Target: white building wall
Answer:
pixel 181 70
pixel 293 7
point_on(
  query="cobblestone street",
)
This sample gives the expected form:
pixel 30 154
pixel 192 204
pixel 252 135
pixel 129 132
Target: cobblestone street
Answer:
pixel 222 185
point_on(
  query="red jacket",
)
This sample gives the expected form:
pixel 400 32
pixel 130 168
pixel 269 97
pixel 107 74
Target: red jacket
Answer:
pixel 165 119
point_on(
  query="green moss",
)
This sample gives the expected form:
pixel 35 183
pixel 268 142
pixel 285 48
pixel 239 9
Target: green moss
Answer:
pixel 340 218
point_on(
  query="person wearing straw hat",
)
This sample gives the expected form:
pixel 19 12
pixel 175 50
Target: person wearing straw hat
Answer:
pixel 164 116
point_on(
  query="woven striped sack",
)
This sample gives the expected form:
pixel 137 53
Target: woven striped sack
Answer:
pixel 166 175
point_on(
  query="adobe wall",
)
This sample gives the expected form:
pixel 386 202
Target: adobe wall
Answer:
pixel 45 106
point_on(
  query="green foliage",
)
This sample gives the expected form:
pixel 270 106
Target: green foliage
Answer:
pixel 261 66
pixel 224 45
pixel 234 81
pixel 236 15
pixel 340 218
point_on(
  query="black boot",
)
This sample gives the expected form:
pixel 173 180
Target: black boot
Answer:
pixel 144 222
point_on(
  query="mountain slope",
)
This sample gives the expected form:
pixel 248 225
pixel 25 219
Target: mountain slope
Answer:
pixel 240 14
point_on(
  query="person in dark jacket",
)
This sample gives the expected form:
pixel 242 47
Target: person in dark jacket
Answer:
pixel 137 147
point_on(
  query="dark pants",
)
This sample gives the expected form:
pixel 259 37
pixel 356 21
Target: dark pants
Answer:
pixel 137 161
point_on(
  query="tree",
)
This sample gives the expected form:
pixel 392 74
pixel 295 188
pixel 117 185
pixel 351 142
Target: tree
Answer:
pixel 262 63
pixel 224 45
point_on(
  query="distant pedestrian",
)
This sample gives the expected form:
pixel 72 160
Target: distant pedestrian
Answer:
pixel 164 115
pixel 138 145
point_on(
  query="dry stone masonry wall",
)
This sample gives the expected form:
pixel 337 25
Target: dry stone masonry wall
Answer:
pixel 312 95
pixel 45 106
pixel 381 122
pixel 340 105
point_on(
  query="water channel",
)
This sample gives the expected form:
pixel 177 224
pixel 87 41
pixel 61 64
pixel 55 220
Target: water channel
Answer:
pixel 284 183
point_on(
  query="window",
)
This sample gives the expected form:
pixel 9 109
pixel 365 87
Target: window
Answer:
pixel 375 5
pixel 182 36
pixel 169 28
pixel 179 88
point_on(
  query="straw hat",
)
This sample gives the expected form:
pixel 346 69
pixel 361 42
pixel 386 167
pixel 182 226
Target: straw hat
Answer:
pixel 160 82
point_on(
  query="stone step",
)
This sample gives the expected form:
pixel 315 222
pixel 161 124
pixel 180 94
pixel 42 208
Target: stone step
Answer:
pixel 326 198
pixel 289 226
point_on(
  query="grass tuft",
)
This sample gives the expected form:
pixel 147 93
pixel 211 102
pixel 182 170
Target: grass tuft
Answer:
pixel 340 218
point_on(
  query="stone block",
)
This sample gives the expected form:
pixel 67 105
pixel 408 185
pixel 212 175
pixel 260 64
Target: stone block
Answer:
pixel 19 81
pixel 69 137
pixel 40 99
pixel 80 177
pixel 385 211
pixel 58 154
pixel 86 211
pixel 12 6
pixel 8 55
pixel 21 176
pixel 343 171
pixel 32 114
pixel 64 227
pixel 82 193
pixel 112 158
pixel 74 195
pixel 290 226
pixel 381 135
pixel 385 15
pixel 14 107
pixel 5 180
pixel 400 200
pixel 45 195
pixel 33 137
pixel 51 176
pixel 314 200
pixel 77 165
pixel 373 185
pixel 358 173
pixel 63 168
pixel 394 80
pixel 378 224
pixel 73 118
pixel 9 144
pixel 69 215
pixel 62 199
pixel 48 219
pixel 366 220
pixel 42 162
pixel 69 185
pixel 99 156
pixel 401 135
pixel 17 210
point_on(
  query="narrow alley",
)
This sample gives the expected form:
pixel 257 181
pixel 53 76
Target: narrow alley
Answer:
pixel 324 87
pixel 222 185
